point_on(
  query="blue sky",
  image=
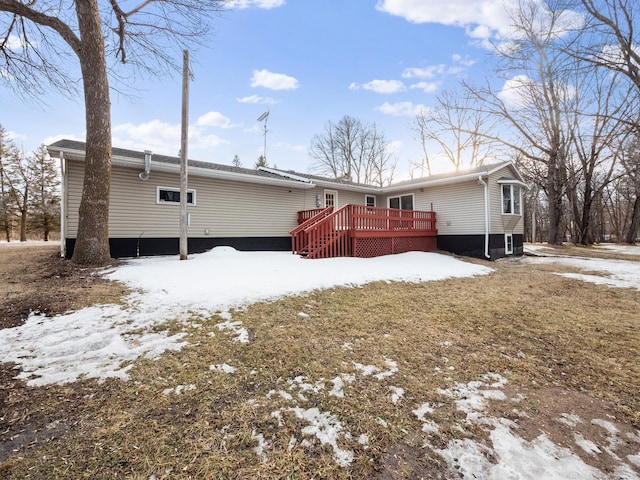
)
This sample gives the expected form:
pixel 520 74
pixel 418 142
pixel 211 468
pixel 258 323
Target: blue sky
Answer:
pixel 306 61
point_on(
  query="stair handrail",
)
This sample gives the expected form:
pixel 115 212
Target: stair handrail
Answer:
pixel 312 232
pixel 298 235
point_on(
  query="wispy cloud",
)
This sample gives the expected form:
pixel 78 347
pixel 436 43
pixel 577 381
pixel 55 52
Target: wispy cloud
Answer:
pixel 380 86
pixel 257 99
pixel 266 4
pixel 401 109
pixel 274 81
pixel 214 119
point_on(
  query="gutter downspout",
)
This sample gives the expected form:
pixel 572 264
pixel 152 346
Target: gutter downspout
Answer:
pixel 486 217
pixel 63 205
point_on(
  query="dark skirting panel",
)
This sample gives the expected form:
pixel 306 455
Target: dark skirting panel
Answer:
pixel 473 245
pixel 143 247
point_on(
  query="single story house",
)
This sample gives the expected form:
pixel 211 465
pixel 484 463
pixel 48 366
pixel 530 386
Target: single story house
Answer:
pixel 479 211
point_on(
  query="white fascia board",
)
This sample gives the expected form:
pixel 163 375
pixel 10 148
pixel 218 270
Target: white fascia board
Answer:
pixel 508 181
pixel 282 173
pixel 208 173
pixel 433 183
pixel 373 190
pixel 513 167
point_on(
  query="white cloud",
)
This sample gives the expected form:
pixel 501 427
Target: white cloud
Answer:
pixel 256 99
pixel 214 119
pixel 427 87
pixel 401 109
pixel 380 86
pixel 289 147
pixel 161 137
pixel 425 72
pixel 266 4
pixel 491 14
pixel 274 81
pixel 516 91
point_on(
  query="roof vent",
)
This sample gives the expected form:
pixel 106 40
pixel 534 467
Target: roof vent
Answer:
pixel 147 165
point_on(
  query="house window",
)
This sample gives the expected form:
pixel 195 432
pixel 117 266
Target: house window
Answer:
pixel 508 244
pixel 511 200
pixel 330 198
pixel 172 195
pixel 370 200
pixel 404 202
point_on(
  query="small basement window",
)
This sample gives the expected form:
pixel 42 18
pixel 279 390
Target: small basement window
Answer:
pixel 508 244
pixel 172 195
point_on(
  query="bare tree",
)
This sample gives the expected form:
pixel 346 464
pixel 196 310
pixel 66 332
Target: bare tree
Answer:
pixel 533 101
pixel 353 150
pixel 19 175
pixel 612 37
pixel 456 129
pixel 598 115
pixel 38 37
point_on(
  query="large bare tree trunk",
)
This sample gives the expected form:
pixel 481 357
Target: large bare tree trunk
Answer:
pixel 92 242
pixel 555 235
pixel 635 222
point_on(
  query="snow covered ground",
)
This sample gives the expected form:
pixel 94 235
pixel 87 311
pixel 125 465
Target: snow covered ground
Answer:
pixel 94 342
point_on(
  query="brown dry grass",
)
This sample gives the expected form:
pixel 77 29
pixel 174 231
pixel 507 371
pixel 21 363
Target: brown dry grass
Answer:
pixel 544 332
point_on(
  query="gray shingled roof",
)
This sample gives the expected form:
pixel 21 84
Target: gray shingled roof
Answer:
pixel 123 152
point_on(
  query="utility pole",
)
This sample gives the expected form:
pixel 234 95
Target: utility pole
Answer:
pixel 184 215
pixel 264 117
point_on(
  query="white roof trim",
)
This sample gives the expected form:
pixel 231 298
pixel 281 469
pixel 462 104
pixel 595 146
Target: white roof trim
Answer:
pixel 282 173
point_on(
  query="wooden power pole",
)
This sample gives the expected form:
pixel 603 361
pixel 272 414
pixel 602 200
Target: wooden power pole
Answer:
pixel 184 215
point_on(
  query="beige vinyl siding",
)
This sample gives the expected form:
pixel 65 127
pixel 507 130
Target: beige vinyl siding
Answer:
pixel 459 207
pixel 502 223
pixel 224 208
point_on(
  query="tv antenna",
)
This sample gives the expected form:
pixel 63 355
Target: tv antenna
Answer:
pixel 263 118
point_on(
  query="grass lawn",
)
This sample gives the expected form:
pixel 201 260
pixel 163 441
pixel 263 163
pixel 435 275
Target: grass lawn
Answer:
pixel 362 382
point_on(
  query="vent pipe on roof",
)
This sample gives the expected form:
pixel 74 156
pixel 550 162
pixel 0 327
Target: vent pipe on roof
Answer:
pixel 147 165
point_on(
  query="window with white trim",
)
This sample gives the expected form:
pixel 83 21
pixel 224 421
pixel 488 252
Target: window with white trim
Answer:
pixel 370 200
pixel 404 202
pixel 331 198
pixel 508 244
pixel 511 200
pixel 172 196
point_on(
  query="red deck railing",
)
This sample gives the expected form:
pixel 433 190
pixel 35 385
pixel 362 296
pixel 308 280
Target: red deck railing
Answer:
pixel 361 231
pixel 306 218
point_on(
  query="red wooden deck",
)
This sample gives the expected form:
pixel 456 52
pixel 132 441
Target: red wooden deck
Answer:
pixel 361 231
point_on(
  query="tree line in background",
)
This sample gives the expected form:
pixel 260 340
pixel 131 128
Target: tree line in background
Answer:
pixel 566 111
pixel 29 193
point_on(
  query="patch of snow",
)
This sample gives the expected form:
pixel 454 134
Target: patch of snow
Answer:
pixel 516 458
pixel 569 419
pixel 179 389
pixel 262 444
pixel 587 445
pixel 396 394
pixel 326 428
pixel 236 328
pixel 223 367
pixel 303 315
pixel 337 390
pixel 618 248
pixel 95 342
pixel 613 273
